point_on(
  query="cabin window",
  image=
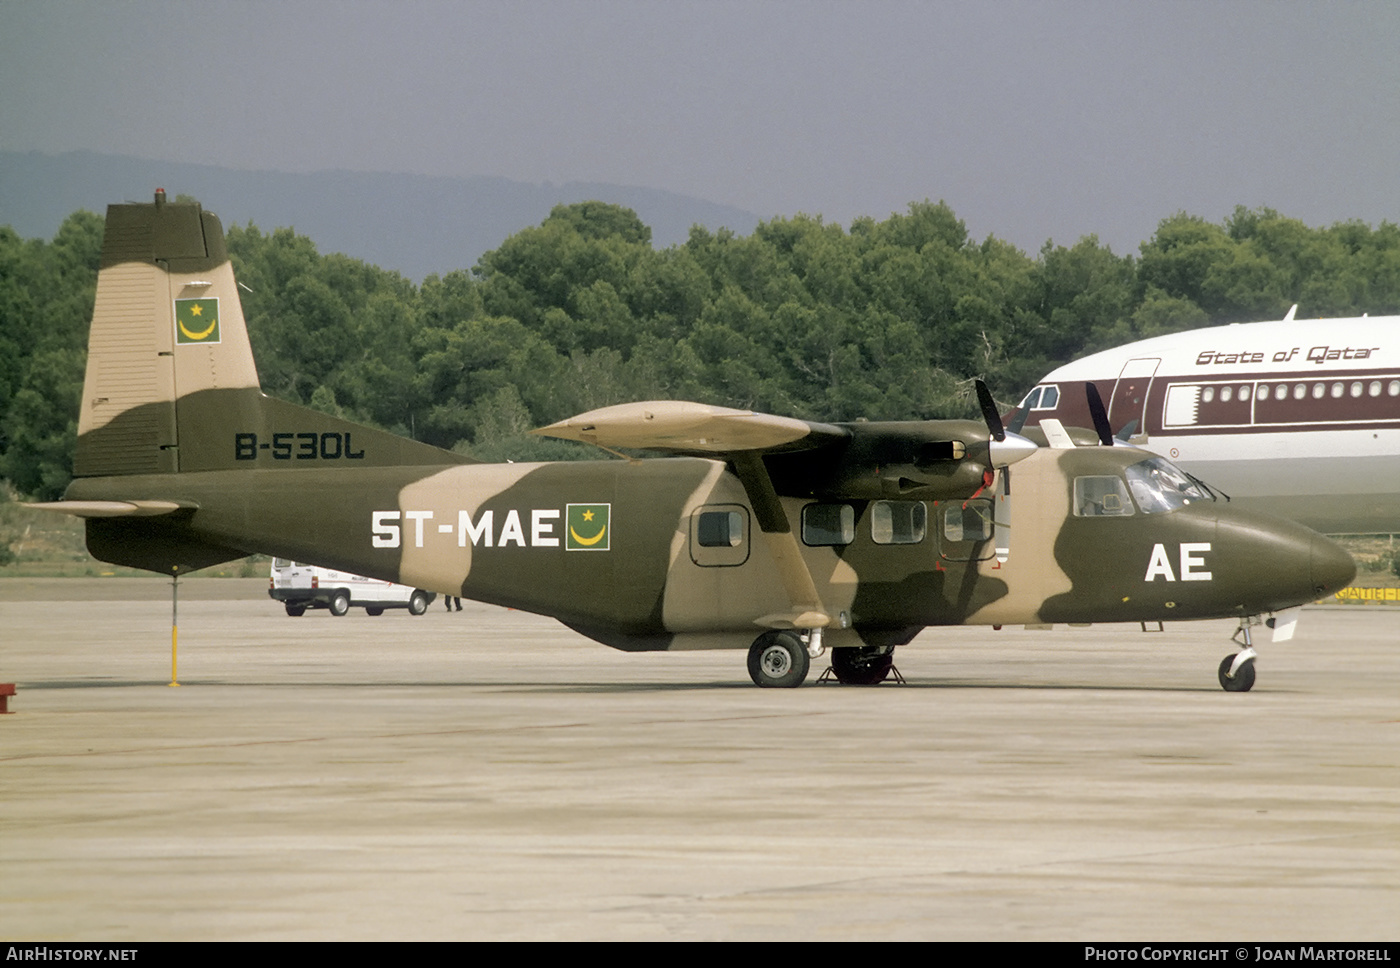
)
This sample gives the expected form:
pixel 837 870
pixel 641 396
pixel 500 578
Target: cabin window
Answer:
pixel 1244 392
pixel 1318 390
pixel 719 529
pixel 1159 486
pixel 1394 388
pixel 1374 390
pixel 897 522
pixel 968 522
pixel 719 535
pixel 828 524
pixel 1101 496
pixel 1356 389
pixel 1263 391
pixel 966 529
pixel 1300 391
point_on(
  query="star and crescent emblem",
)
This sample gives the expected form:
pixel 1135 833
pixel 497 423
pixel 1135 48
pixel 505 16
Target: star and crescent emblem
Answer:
pixel 197 320
pixel 587 526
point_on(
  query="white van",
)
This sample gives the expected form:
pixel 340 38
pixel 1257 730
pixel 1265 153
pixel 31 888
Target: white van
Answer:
pixel 299 587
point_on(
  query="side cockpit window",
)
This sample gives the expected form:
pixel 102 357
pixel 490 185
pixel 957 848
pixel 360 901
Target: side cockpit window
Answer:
pixel 1101 496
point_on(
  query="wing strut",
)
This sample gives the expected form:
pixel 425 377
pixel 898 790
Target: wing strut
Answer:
pixel 807 612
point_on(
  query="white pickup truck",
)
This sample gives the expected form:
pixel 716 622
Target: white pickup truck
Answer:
pixel 299 587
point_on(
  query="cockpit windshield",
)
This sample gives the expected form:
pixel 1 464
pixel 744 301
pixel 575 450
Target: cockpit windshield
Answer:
pixel 1159 486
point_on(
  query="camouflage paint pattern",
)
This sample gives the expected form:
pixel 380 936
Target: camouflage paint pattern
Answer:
pixel 183 462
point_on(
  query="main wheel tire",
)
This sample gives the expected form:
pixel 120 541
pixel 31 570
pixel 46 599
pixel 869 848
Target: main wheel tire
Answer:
pixel 418 602
pixel 295 610
pixel 373 610
pixel 864 665
pixel 778 660
pixel 340 604
pixel 1244 678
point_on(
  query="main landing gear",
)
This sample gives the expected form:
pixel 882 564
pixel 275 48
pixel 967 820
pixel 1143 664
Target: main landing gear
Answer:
pixel 781 660
pixel 863 665
pixel 1236 672
pixel 778 660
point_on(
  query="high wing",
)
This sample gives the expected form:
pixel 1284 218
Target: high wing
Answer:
pixel 694 429
pixel 777 456
pixel 928 459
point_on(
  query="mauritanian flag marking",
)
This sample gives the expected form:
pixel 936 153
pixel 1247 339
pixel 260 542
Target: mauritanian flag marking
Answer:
pixel 197 320
pixel 587 527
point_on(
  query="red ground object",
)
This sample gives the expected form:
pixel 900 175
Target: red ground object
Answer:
pixel 7 689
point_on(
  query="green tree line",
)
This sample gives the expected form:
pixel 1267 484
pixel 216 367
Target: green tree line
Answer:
pixel 887 319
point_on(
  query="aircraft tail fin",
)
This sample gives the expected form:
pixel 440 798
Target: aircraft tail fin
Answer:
pixel 165 283
pixel 171 385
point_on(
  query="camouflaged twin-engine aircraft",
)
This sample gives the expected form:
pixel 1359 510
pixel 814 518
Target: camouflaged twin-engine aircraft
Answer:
pixel 781 536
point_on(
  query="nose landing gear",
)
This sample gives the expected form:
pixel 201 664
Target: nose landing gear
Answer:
pixel 1236 672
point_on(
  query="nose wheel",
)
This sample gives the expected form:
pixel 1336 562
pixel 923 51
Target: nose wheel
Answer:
pixel 1236 672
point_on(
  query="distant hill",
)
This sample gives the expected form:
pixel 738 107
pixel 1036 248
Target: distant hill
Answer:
pixel 416 224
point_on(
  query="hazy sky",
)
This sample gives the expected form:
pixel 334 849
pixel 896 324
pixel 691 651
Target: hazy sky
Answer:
pixel 1032 120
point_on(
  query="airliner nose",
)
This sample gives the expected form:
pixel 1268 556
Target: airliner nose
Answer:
pixel 1332 568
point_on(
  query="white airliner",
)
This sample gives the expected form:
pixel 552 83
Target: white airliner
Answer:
pixel 1298 417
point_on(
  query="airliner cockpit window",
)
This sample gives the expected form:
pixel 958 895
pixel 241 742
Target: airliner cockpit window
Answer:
pixel 1159 486
pixel 1044 397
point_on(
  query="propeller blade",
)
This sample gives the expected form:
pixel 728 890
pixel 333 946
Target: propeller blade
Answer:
pixel 1018 421
pixel 1128 429
pixel 1100 415
pixel 989 412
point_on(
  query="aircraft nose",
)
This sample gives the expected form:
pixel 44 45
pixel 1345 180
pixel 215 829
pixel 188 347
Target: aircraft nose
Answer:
pixel 1331 566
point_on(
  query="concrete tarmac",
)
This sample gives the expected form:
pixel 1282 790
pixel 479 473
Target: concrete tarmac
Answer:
pixel 490 775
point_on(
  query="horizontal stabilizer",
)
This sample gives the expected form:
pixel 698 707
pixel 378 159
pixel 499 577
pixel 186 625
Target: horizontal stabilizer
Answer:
pixel 111 509
pixel 680 426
